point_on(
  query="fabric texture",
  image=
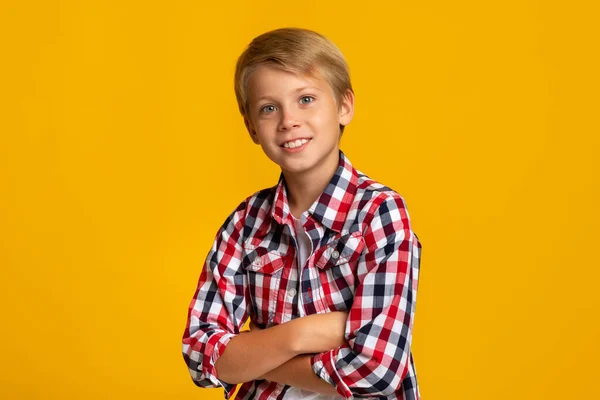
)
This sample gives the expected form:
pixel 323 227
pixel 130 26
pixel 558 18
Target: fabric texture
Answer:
pixel 364 259
pixel 304 250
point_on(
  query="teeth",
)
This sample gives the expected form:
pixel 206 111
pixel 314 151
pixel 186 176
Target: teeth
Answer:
pixel 293 145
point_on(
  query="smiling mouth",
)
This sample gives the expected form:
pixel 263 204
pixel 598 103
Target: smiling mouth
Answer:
pixel 295 143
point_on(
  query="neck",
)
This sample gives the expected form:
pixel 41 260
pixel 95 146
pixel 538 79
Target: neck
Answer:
pixel 305 188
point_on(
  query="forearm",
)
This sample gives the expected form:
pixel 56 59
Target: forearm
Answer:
pixel 250 355
pixel 298 372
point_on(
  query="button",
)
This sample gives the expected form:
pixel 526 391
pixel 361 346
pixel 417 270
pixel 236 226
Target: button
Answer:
pixel 256 261
pixel 335 254
pixel 291 292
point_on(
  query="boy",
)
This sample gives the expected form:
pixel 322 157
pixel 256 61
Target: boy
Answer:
pixel 325 263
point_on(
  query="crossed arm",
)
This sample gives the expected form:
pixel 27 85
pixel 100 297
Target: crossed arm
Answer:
pixel 283 353
pixel 366 354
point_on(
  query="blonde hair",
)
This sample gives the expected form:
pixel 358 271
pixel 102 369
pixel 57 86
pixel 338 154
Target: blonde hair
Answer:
pixel 294 50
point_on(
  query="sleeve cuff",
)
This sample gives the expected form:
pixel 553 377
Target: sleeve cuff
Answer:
pixel 215 347
pixel 323 366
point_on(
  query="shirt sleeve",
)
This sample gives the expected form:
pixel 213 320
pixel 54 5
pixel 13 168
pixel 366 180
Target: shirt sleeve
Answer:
pixel 376 356
pixel 219 307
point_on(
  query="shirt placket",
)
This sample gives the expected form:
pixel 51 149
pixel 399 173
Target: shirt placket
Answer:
pixel 292 280
pixel 312 290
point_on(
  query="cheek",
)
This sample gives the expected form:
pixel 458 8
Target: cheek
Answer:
pixel 325 119
pixel 265 128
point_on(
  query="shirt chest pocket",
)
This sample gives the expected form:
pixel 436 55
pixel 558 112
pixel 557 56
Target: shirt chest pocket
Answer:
pixel 264 270
pixel 337 266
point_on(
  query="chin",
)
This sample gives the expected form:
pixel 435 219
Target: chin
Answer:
pixel 294 167
pixel 297 166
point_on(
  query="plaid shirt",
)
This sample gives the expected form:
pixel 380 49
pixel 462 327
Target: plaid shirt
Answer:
pixel 365 261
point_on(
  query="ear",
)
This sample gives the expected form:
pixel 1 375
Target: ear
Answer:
pixel 251 130
pixel 346 109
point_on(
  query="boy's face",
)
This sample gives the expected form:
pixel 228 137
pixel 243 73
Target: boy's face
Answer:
pixel 295 118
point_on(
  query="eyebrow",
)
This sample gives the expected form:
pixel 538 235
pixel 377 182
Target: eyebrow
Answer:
pixel 265 97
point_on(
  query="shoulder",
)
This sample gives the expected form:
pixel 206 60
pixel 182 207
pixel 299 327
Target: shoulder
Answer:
pixel 250 212
pixel 384 218
pixel 257 203
pixel 375 199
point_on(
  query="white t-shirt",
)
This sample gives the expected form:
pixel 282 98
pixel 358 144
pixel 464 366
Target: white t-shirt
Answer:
pixel 304 249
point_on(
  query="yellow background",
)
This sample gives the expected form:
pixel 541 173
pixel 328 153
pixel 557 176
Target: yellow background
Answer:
pixel 122 152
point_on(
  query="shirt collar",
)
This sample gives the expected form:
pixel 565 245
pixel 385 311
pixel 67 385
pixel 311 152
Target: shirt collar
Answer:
pixel 332 206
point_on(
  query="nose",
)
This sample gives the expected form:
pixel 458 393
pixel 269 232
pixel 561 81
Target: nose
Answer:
pixel 289 120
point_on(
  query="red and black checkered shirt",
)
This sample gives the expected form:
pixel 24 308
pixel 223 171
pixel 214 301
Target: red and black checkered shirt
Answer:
pixel 365 260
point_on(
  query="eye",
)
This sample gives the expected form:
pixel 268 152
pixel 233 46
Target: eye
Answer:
pixel 268 109
pixel 306 99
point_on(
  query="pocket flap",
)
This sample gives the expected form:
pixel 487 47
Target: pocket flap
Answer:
pixel 264 261
pixel 347 248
